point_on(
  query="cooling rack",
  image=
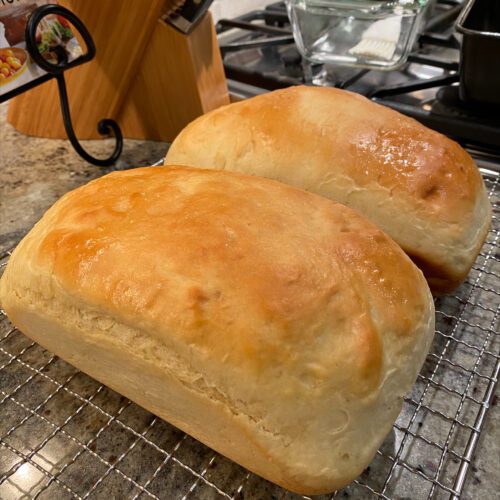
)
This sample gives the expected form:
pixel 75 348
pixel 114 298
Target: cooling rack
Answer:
pixel 64 435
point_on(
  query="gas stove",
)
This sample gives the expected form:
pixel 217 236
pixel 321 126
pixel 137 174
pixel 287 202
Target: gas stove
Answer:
pixel 259 55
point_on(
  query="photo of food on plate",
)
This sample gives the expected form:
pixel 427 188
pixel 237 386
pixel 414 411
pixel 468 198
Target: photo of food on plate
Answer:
pixel 12 63
pixel 54 38
pixel 56 41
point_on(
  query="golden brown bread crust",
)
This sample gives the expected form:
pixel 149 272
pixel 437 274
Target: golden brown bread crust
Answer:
pixel 276 326
pixel 420 187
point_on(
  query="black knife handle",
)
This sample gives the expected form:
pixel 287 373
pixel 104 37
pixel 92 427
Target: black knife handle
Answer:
pixel 189 15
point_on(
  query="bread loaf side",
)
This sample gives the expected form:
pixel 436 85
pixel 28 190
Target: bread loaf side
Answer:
pixel 276 326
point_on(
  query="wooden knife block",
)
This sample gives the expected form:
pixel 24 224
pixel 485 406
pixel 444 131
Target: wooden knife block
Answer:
pixel 149 77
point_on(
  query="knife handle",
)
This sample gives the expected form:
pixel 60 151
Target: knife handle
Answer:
pixel 189 15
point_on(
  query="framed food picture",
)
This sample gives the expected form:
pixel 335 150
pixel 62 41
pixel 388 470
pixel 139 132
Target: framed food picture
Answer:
pixel 55 42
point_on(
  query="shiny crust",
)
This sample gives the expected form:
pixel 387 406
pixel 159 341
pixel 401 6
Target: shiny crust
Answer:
pixel 420 187
pixel 278 327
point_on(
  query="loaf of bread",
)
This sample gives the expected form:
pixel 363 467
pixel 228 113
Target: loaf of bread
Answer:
pixel 274 325
pixel 420 187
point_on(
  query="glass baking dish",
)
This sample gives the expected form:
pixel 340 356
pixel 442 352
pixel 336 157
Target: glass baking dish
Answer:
pixel 363 33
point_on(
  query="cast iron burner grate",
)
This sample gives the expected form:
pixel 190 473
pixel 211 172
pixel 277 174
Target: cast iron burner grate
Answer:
pixel 65 435
pixel 259 51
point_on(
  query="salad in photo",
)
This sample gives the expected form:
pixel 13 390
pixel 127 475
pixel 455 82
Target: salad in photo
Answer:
pixel 56 40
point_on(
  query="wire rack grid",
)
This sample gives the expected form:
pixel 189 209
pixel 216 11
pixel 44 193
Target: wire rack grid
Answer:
pixel 64 435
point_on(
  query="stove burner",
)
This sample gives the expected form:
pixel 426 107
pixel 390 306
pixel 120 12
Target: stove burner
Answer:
pixel 291 62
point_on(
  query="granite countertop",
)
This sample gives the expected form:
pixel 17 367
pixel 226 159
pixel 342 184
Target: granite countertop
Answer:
pixel 34 173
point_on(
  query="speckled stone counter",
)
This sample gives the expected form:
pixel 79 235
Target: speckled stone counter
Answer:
pixel 35 172
pixel 91 441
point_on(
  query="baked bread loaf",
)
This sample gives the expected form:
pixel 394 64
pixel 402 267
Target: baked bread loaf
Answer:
pixel 420 187
pixel 277 327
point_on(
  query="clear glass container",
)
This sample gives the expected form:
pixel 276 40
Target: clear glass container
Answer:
pixel 363 33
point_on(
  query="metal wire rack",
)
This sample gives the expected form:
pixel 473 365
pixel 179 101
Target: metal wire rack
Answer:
pixel 64 435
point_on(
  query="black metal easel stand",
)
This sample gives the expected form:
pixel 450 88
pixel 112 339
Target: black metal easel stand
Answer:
pixel 104 127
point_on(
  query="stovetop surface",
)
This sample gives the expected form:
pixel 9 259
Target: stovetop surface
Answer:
pixel 259 54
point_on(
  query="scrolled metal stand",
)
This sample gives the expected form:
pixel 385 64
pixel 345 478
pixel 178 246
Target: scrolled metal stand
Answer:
pixel 105 126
